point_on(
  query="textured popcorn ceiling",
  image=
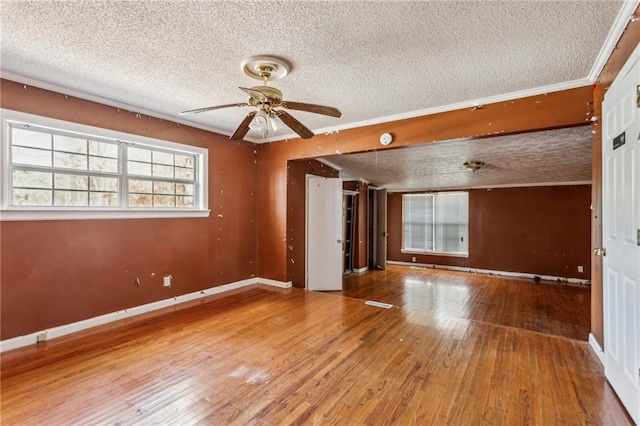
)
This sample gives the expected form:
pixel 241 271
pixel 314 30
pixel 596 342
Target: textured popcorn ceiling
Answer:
pixel 369 59
pixel 548 157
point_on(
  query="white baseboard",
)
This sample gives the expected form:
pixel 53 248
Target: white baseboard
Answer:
pixel 63 330
pixel 274 283
pixel 361 270
pixel 491 272
pixel 596 348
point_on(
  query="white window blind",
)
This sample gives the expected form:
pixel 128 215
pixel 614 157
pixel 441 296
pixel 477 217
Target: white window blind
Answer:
pixel 436 223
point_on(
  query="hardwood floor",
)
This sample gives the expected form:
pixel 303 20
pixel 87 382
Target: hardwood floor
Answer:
pixel 269 356
pixel 563 310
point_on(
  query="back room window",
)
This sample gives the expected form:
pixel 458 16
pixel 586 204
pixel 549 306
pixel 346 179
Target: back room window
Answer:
pixel 436 223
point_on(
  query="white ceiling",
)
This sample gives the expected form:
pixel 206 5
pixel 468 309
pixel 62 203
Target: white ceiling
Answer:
pixel 538 158
pixel 375 61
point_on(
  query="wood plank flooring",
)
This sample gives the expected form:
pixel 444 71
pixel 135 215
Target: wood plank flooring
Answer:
pixel 547 307
pixel 267 356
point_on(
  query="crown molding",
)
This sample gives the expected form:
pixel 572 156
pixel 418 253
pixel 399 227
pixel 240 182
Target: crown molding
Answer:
pixel 618 27
pixel 104 101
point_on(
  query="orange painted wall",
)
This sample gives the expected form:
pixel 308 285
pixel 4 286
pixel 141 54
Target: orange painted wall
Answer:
pixel 553 110
pixel 536 230
pixel 58 272
pixel 296 215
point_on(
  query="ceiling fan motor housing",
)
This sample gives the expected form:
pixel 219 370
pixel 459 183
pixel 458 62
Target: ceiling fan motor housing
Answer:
pixel 274 95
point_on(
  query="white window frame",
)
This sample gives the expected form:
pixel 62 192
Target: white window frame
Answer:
pixel 26 213
pixel 434 252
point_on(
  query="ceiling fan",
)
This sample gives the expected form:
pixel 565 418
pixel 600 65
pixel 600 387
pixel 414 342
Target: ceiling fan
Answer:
pixel 267 99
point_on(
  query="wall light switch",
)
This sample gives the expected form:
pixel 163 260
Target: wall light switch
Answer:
pixel 166 281
pixel 580 269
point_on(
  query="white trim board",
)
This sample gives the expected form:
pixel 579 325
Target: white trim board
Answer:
pixel 596 348
pixel 492 272
pixel 328 163
pixel 619 24
pixel 63 330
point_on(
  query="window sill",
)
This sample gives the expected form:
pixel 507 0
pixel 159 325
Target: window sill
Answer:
pixel 434 253
pixel 13 215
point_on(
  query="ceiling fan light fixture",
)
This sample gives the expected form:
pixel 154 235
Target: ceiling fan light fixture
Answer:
pixel 473 165
pixel 276 123
pixel 259 122
pixel 266 99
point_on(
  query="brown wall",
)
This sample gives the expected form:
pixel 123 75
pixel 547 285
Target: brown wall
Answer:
pixel 627 43
pixel 553 110
pixel 296 214
pixel 58 272
pixel 536 230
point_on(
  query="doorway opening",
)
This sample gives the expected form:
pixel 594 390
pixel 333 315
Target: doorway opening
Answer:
pixel 349 209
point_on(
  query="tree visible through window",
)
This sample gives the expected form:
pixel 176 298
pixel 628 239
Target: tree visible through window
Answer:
pixel 437 223
pixel 162 179
pixel 55 168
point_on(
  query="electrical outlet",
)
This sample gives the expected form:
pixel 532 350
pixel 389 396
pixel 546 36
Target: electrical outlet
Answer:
pixel 580 269
pixel 413 259
pixel 166 281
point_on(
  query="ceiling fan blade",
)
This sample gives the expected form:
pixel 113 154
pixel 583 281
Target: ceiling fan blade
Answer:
pixel 295 125
pixel 318 109
pixel 255 93
pixel 243 128
pixel 199 110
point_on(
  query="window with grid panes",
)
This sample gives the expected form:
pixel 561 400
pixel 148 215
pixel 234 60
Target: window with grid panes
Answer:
pixel 63 169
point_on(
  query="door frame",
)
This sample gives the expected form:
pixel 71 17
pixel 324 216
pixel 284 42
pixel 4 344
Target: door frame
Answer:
pixel 608 305
pixel 380 258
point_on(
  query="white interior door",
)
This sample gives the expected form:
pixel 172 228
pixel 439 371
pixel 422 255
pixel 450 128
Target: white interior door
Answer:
pixel 324 233
pixel 621 234
pixel 381 229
